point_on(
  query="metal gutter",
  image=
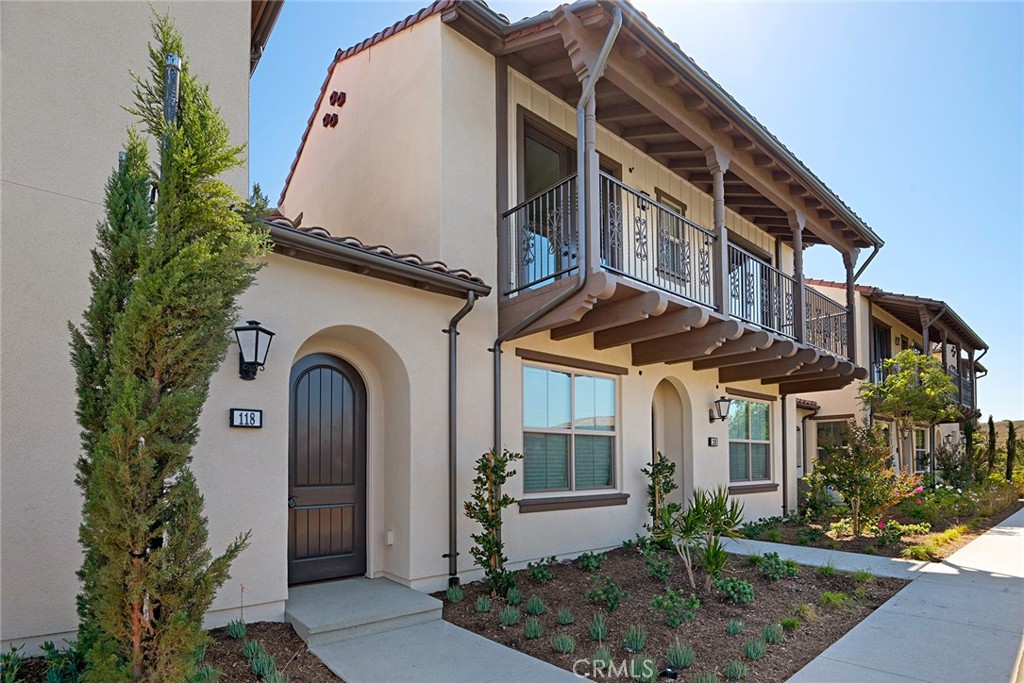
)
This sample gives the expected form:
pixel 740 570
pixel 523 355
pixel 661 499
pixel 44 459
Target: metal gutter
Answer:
pixel 860 271
pixel 453 384
pixel 450 285
pixel 785 458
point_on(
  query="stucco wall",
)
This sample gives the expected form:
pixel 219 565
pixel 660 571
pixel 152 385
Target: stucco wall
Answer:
pixel 65 78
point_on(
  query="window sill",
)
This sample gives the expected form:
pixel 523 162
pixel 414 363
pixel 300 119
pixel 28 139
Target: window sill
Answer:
pixel 740 489
pixel 572 502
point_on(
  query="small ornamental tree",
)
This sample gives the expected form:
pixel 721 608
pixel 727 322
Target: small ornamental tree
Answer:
pixel 991 445
pixel 1011 449
pixel 914 391
pixel 661 480
pixel 485 507
pixel 859 472
pixel 164 287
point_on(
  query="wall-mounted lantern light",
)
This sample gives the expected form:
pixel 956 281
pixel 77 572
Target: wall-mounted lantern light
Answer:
pixel 253 344
pixel 720 411
pixel 906 432
pixel 949 439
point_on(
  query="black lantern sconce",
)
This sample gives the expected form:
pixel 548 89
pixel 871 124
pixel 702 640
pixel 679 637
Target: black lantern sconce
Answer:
pixel 253 344
pixel 949 439
pixel 720 411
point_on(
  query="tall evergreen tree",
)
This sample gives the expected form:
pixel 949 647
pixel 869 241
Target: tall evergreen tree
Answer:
pixel 991 445
pixel 1011 449
pixel 156 330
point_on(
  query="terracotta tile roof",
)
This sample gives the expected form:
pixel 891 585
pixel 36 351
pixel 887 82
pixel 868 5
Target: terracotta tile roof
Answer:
pixel 806 404
pixel 278 219
pixel 863 289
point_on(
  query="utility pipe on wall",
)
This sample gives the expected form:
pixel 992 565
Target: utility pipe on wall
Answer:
pixel 453 404
pixel 785 460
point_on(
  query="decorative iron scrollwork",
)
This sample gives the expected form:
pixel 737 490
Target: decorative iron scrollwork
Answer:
pixel 614 226
pixel 704 263
pixel 640 238
pixel 527 244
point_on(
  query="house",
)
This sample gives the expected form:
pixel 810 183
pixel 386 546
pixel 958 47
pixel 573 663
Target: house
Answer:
pixel 65 78
pixel 887 323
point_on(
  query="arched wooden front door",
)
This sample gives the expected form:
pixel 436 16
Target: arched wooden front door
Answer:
pixel 326 471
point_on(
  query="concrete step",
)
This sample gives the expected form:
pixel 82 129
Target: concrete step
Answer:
pixel 333 611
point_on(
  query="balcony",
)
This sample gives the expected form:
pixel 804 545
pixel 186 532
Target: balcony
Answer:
pixel 964 383
pixel 652 247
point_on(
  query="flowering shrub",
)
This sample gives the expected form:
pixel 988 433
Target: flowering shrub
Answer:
pixel 891 531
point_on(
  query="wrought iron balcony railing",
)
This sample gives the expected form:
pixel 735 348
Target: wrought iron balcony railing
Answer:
pixel 759 293
pixel 647 241
pixel 541 237
pixel 825 323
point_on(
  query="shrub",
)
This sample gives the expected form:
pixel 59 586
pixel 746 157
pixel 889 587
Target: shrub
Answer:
pixel 635 638
pixel 713 558
pixel 738 591
pixel 835 600
pixel 483 604
pixel 485 507
pixel 455 593
pixel 809 535
pixel 754 649
pixel 705 677
pixel 540 571
pixel 790 623
pixel 734 627
pixel 826 570
pixel 951 534
pixel 755 559
pixel 565 617
pixel 602 657
pixel 643 669
pixel 563 643
pixel 236 629
pixel 774 567
pixel 923 552
pixel 509 616
pixel 710 516
pixel 10 664
pixel 772 634
pixel 68 665
pixel 816 501
pixel 754 530
pixel 773 535
pixel 598 627
pixel 657 568
pixel 806 611
pixel 205 673
pixel 607 592
pixel 535 606
pixel 736 670
pixel 661 480
pixel 251 648
pixel 514 595
pixel 676 606
pixel 891 531
pixel 590 562
pixel 532 629
pixel 862 576
pixel 680 656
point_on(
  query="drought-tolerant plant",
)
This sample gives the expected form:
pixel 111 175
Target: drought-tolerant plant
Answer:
pixel 206 673
pixel 455 593
pixel 485 507
pixel 927 551
pixel 755 559
pixel 509 616
pixel 835 600
pixel 607 592
pixel 773 535
pixel 806 611
pixel 772 634
pixel 236 629
pixel 565 617
pixel 790 623
pixel 602 658
pixel 657 568
pixel 713 558
pixel 705 677
pixel 774 567
pixel 826 570
pixel 676 606
pixel 734 627
pixel 643 670
pixel 736 670
pixel 165 283
pixel 563 643
pixel 753 530
pixel 680 655
pixel 276 677
pixel 68 665
pixel 514 595
pixel 251 648
pixel 10 664
pixel 635 638
pixel 483 603
pixel 590 562
pixel 532 629
pixel 710 516
pixel 809 535
pixel 862 576
pixel 661 480
pixel 535 606
pixel 738 591
pixel 540 571
pixel 598 627
pixel 754 648
pixel 891 531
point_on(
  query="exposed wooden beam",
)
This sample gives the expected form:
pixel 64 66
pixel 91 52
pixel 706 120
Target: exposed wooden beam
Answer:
pixel 748 343
pixel 667 79
pixel 695 103
pixel 671 322
pixel 778 350
pixel 758 201
pixel 613 314
pixel 674 147
pixel 772 368
pixel 519 43
pixel 686 345
pixel 781 176
pixel 811 385
pixel 687 163
pixel 634 50
pixel 763 161
pixel 812 202
pixel 621 113
pixel 657 130
pixel 724 125
pixel 826 366
pixel 743 144
pixel 798 191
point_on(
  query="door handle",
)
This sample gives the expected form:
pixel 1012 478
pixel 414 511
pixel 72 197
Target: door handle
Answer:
pixel 291 501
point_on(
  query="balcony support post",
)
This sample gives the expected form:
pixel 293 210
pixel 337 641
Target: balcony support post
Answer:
pixel 593 190
pixel 974 382
pixel 718 164
pixel 797 221
pixel 850 260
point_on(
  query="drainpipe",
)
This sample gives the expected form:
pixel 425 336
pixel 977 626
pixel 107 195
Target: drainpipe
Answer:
pixel 864 267
pixel 453 383
pixel 785 459
pixel 803 435
pixel 583 253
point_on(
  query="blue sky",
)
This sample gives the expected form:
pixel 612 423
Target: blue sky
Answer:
pixel 912 112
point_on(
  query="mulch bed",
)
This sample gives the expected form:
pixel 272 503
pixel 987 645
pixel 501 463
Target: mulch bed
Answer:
pixel 868 544
pixel 773 601
pixel 225 653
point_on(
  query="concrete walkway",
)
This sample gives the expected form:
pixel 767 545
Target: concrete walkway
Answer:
pixel 960 621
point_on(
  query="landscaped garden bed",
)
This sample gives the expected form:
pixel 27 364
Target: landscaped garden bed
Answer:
pixel 813 608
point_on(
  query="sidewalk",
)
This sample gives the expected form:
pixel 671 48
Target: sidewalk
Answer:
pixel 960 621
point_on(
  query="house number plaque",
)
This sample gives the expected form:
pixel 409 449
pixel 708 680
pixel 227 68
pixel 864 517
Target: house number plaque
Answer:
pixel 249 418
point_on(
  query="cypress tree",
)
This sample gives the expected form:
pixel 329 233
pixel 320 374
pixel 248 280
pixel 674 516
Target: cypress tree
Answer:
pixel 991 445
pixel 156 330
pixel 1011 449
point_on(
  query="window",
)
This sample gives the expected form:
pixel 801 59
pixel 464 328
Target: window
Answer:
pixel 673 248
pixel 749 441
pixel 830 433
pixel 569 424
pixel 921 458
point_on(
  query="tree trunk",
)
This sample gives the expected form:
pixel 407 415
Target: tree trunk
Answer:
pixel 855 511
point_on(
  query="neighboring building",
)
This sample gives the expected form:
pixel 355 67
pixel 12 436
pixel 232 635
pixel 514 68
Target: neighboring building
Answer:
pixel 888 323
pixel 65 79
